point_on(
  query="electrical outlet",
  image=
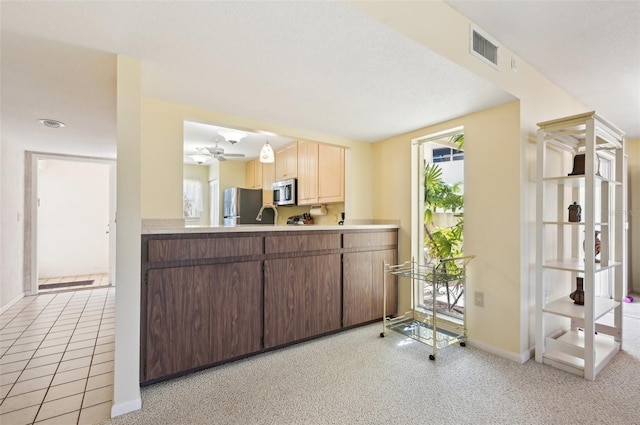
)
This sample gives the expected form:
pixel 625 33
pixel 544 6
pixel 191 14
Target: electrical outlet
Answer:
pixel 479 298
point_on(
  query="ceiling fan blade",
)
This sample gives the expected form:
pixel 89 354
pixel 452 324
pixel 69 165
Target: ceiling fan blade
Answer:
pixel 234 155
pixel 220 158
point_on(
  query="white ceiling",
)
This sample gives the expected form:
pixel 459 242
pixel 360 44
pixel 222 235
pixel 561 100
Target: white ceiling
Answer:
pixel 318 66
pixel 589 48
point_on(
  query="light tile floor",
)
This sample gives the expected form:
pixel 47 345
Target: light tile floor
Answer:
pixel 99 281
pixel 56 358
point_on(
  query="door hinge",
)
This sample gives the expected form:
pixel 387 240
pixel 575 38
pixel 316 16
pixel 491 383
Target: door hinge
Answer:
pixel 146 278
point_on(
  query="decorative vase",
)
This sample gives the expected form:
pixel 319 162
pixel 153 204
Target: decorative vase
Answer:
pixel 578 165
pixel 578 295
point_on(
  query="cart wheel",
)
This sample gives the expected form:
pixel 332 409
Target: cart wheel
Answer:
pixel 381 334
pixel 463 344
pixel 432 357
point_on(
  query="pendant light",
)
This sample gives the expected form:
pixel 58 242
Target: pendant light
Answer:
pixel 266 153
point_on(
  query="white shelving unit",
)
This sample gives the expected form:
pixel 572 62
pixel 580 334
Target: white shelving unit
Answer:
pixel 580 339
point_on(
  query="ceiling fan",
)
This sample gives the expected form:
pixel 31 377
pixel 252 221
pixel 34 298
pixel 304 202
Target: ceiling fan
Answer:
pixel 218 153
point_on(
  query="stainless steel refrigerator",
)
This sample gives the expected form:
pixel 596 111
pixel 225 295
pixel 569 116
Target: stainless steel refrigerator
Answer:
pixel 241 206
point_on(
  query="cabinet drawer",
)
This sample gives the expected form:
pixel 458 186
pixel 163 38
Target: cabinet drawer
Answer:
pixel 370 240
pixel 301 243
pixel 201 248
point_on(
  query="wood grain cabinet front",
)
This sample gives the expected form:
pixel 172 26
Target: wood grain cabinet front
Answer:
pixel 200 315
pixel 362 286
pixel 302 298
pixel 287 162
pixel 207 299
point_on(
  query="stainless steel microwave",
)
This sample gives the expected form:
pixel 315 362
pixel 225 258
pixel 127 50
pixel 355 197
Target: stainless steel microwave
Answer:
pixel 285 192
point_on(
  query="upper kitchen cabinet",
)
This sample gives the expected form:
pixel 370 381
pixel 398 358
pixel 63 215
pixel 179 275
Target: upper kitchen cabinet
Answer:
pixel 320 173
pixel 330 174
pixel 287 162
pixel 261 176
pixel 254 174
pixel 307 172
pixel 268 178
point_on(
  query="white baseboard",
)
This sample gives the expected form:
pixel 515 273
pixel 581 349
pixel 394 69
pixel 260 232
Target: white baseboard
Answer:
pixel 509 355
pixel 128 406
pixel 11 303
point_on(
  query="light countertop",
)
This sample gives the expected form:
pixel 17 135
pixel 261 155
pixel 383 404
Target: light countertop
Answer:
pixel 262 228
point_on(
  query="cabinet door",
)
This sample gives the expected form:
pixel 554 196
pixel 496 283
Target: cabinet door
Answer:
pixel 330 173
pixel 307 173
pixel 236 309
pixel 363 295
pixel 287 162
pixel 301 298
pixel 389 256
pixel 268 177
pixel 178 311
pixel 254 174
pixel 200 315
pixel 250 175
pixel 257 182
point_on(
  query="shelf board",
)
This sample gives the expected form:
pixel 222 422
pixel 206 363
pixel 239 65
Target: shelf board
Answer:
pixel 605 348
pixel 423 331
pixel 565 307
pixel 573 223
pixel 575 265
pixel 577 180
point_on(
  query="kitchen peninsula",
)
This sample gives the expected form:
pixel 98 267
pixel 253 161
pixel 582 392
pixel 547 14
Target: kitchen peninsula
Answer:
pixel 216 294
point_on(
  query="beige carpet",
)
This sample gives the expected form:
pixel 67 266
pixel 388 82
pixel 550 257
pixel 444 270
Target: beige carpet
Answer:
pixel 356 377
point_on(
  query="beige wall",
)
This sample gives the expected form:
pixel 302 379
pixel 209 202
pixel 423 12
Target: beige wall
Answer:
pixel 633 168
pixel 492 216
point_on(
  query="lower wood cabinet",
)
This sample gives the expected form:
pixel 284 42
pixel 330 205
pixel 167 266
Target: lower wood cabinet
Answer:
pixel 302 298
pixel 200 315
pixel 362 286
pixel 207 299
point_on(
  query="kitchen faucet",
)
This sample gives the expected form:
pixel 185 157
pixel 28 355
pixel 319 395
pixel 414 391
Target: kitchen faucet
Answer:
pixel 275 211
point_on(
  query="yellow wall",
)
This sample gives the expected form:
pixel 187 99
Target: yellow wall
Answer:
pixel 162 153
pixel 540 100
pixel 492 215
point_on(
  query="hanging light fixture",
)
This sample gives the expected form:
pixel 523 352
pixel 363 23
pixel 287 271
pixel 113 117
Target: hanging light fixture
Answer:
pixel 266 153
pixel 201 156
pixel 232 136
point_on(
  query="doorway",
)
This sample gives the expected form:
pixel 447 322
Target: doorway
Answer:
pixel 438 224
pixel 70 225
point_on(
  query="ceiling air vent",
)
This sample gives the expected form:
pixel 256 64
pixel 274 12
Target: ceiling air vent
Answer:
pixel 484 47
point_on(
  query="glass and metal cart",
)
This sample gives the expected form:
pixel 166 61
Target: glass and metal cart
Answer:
pixel 437 316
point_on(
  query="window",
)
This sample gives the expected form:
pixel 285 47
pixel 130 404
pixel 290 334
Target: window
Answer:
pixel 192 199
pixel 447 155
